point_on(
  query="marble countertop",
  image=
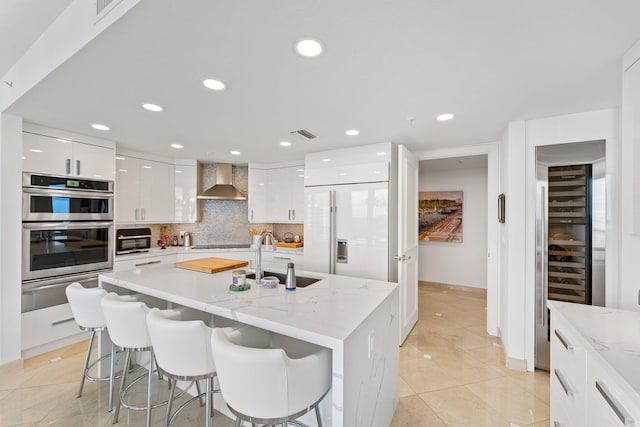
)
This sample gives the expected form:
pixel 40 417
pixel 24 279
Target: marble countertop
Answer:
pixel 324 313
pixel 612 335
pixel 171 250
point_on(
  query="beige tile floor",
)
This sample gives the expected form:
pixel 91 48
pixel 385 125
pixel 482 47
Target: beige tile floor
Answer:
pixel 451 374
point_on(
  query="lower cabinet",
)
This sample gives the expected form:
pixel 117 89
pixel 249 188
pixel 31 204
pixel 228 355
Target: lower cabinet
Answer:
pixel 144 262
pixel 49 328
pixel 583 391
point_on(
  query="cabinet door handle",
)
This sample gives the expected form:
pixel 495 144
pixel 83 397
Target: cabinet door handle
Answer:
pixel 563 382
pixel 282 257
pixel 59 322
pixel 565 342
pixel 77 167
pixel 136 213
pixel 147 263
pixel 68 166
pixel 293 214
pixel 622 414
pixel 556 424
pixel 144 213
pixel 251 214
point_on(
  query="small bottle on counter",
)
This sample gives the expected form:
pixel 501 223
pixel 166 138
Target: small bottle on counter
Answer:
pixel 290 282
pixel 175 240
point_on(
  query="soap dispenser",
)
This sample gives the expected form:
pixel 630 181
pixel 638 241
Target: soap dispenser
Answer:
pixel 290 282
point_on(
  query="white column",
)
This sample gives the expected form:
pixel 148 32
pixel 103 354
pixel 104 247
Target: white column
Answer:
pixel 10 237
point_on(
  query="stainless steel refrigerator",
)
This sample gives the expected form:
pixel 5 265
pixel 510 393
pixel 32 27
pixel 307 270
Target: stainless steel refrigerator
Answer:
pixel 570 231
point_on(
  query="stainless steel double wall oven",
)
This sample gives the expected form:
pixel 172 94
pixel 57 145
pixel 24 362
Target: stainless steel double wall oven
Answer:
pixel 67 236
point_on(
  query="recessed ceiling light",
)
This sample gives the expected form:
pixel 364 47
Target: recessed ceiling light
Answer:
pixel 122 170
pixel 326 160
pixel 285 143
pixel 177 146
pixel 98 126
pixel 300 170
pixel 301 176
pixel 376 172
pixel 342 174
pixel 309 48
pixel 381 153
pixel 119 158
pixel 62 140
pixel 152 107
pixel 24 158
pixel 234 152
pixel 445 117
pixel 261 184
pixel 352 132
pixel 177 171
pixel 147 167
pixel 35 150
pixel 214 84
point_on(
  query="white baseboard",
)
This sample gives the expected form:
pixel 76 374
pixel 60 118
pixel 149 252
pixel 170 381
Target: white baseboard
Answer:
pixel 54 345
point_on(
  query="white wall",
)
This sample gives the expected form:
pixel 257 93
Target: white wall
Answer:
pixel 10 237
pixel 512 249
pixel 629 216
pixel 458 263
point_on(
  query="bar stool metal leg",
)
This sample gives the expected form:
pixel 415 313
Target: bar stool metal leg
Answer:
pixel 123 379
pixel 112 376
pixel 86 363
pixel 318 416
pixel 170 402
pixel 152 358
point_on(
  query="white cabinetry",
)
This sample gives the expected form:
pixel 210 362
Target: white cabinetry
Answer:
pixel 45 329
pixel 152 191
pixel 276 193
pixel 123 263
pixel 257 200
pixel 631 129
pixel 61 156
pixel 587 389
pixel 185 196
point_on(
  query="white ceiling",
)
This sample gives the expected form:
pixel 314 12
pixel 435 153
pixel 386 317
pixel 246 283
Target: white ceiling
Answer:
pixel 21 23
pixel 454 163
pixel 489 62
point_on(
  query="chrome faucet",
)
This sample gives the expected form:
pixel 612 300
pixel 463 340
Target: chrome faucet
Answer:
pixel 259 254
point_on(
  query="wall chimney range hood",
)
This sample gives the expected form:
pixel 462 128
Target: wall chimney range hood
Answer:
pixel 224 189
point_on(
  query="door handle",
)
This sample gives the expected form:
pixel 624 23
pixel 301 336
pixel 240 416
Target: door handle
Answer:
pixel 293 214
pixel 563 383
pixel 622 414
pixel 144 213
pixel 136 213
pixel 342 255
pixel 68 166
pixel 77 167
pixel 147 263
pixel 59 322
pixel 565 342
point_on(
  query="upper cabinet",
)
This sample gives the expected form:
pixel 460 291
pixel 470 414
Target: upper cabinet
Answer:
pixel 152 191
pixel 276 193
pixel 257 197
pixel 61 156
pixel 186 192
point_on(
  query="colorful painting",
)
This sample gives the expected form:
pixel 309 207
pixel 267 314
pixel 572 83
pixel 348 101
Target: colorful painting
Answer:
pixel 440 216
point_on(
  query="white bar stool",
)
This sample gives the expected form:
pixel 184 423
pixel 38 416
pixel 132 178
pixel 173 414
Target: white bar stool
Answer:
pixel 127 323
pixel 265 385
pixel 86 309
pixel 183 351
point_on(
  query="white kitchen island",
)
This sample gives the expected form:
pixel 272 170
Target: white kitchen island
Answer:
pixel 356 318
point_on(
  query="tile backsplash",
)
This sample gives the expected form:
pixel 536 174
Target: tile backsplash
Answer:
pixel 223 221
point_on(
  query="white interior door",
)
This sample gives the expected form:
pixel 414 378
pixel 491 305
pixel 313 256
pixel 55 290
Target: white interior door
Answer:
pixel 407 240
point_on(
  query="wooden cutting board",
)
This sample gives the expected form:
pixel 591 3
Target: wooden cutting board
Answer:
pixel 290 244
pixel 211 265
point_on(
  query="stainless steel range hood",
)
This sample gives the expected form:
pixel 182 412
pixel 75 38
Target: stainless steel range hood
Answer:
pixel 224 189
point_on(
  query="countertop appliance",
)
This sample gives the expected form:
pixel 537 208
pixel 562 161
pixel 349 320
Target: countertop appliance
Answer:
pixel 570 232
pixel 133 240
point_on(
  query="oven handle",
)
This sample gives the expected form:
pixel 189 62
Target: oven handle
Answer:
pixel 65 225
pixel 141 236
pixel 76 193
pixel 41 288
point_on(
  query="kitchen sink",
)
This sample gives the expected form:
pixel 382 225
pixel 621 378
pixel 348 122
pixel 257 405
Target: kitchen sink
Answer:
pixel 301 281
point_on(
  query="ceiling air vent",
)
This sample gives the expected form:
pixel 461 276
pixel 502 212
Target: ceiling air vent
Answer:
pixel 303 133
pixel 101 4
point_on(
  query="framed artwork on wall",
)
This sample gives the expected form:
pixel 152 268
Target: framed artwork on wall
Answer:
pixel 440 216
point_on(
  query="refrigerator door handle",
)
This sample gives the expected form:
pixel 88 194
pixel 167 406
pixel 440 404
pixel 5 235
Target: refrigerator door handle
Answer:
pixel 342 256
pixel 332 238
pixel 545 256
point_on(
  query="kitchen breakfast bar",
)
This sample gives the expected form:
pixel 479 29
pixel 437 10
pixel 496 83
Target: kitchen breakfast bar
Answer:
pixel 356 318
